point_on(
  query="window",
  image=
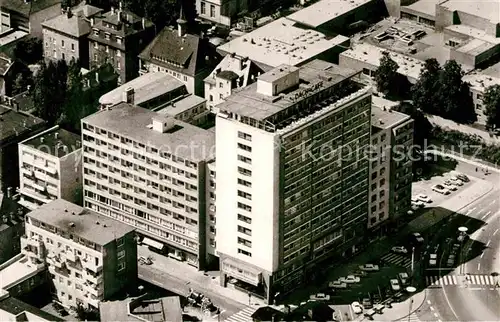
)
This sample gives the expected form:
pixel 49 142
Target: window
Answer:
pixel 118 65
pixel 244 252
pixel 118 53
pixel 245 219
pixel 245 147
pixel 244 241
pixel 121 254
pixel 96 45
pixel 221 85
pixel 244 183
pixel 244 230
pixel 95 57
pixel 73 47
pixel 244 136
pixel 221 96
pixel 55 54
pixel 121 266
pixel 212 10
pixel 244 159
pixel 119 40
pixel 244 171
pixel 211 98
pixel 119 242
pixel 244 207
pixel 203 8
pixel 108 36
pixel 245 195
pixel 62 43
pixel 63 56
pixel 185 78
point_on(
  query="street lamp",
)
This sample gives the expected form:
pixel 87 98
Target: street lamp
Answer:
pixel 410 290
pixel 463 232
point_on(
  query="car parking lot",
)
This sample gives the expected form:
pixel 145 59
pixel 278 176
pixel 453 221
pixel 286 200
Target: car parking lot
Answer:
pixel 437 189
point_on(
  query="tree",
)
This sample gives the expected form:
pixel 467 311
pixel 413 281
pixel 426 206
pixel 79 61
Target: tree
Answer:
pixel 421 125
pixel 491 100
pixel 423 93
pixel 386 75
pixel 29 50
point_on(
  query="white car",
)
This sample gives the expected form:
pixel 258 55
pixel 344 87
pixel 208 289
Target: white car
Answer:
pixel 399 250
pixel 356 308
pixel 424 198
pixel 432 259
pixel 448 185
pixel 350 279
pixel 320 297
pixel 440 189
pixel 337 284
pixel 457 182
pixel 418 237
pixel 404 278
pixel 418 203
pixel 395 285
pixel 369 268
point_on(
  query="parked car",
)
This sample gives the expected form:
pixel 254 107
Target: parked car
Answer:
pixel 356 307
pixel 367 303
pixel 404 278
pixel 454 180
pixel 320 297
pixel 424 198
pixel 432 259
pixel 399 250
pixel 450 186
pixel 395 285
pixel 418 238
pixel 461 176
pixel 418 203
pixel 451 260
pixel 350 279
pixel 440 189
pixel 369 268
pixel 337 284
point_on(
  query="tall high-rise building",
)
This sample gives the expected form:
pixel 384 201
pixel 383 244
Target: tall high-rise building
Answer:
pixel 149 170
pixel 292 175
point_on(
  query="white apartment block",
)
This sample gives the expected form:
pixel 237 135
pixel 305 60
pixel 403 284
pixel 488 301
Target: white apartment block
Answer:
pixel 232 73
pixel 292 180
pixel 479 84
pixel 220 11
pixel 89 257
pixel 149 171
pixel 50 166
pixel 390 167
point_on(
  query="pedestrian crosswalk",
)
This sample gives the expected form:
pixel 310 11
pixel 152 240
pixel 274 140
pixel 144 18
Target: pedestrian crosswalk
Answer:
pixel 486 280
pixel 244 315
pixel 412 318
pixel 397 259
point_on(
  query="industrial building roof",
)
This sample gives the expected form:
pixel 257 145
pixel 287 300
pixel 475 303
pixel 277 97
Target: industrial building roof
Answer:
pixel 486 9
pixel 371 54
pixel 146 88
pixel 427 7
pixel 55 141
pixel 281 42
pixel 80 222
pixel 387 118
pixel 325 11
pixel 187 141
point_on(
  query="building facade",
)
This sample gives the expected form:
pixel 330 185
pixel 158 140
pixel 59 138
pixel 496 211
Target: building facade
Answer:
pixel 390 168
pixel 89 257
pixel 11 227
pixel 50 166
pixel 148 170
pixel 294 191
pixel 117 38
pixel 221 12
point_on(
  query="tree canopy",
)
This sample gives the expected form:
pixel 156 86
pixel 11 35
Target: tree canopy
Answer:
pixel 29 50
pixel 162 12
pixel 389 82
pixel 491 100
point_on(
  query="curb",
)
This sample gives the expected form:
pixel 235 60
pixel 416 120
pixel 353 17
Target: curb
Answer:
pixel 416 309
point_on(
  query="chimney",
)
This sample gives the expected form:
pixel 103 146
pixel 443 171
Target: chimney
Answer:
pixel 92 21
pixel 41 139
pixel 9 192
pixel 113 10
pixel 128 96
pixel 5 219
pixel 56 135
pixel 181 24
pixel 16 106
pixel 69 13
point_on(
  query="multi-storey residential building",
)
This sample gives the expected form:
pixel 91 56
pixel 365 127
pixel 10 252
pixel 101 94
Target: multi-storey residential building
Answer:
pixel 220 11
pixel 15 127
pixel 292 177
pixel 148 170
pixel 11 226
pixel 27 15
pixel 231 73
pixel 479 84
pixel 89 257
pixel 390 168
pixel 117 37
pixel 189 58
pixel 50 166
pixel 65 36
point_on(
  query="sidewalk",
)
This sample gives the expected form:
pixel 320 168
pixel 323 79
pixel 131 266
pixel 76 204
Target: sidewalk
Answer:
pixel 451 125
pixel 477 162
pixel 401 310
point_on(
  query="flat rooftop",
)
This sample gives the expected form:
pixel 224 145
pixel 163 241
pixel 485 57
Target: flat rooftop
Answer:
pixel 388 118
pixel 248 102
pixel 25 312
pixel 81 222
pixel 480 82
pixel 182 105
pixel 14 123
pixel 17 271
pixel 55 141
pixel 371 54
pixel 188 141
pixel 474 33
pixel 427 7
pixel 146 88
pixel 281 42
pixel 325 11
pixel 486 9
pixel 146 308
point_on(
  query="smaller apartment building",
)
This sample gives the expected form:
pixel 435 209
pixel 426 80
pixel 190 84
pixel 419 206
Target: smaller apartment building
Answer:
pixel 220 11
pixel 50 167
pixel 89 257
pixel 390 168
pixel 479 83
pixel 149 171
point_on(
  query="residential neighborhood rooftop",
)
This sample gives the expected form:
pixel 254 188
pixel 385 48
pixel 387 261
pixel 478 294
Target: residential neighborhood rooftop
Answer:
pixel 182 105
pixel 281 42
pixel 28 7
pixel 55 141
pixel 13 123
pixel 81 222
pixel 480 82
pixel 21 311
pixel 325 11
pixel 386 118
pixel 16 270
pixel 75 23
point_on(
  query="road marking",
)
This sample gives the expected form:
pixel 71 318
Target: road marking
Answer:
pixel 492 203
pixel 468 212
pixel 478 266
pixel 488 243
pixel 496 231
pixel 454 278
pixel 432 309
pixel 487 214
pixel 482 254
pixel 222 311
pixel 435 314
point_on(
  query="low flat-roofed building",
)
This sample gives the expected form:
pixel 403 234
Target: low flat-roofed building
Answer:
pixel 479 83
pixel 89 257
pixel 471 13
pixel 366 57
pixel 50 167
pixel 15 126
pixel 423 11
pixel 334 13
pixel 144 308
pixel 150 90
pixel 21 274
pixel 191 109
pixel 281 42
pixel 12 309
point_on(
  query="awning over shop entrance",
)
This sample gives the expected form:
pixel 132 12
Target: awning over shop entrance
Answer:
pixel 152 243
pixel 244 273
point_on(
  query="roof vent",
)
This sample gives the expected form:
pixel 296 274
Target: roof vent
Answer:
pixel 97 223
pixel 65 210
pixel 72 224
pixel 104 226
pixel 73 213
